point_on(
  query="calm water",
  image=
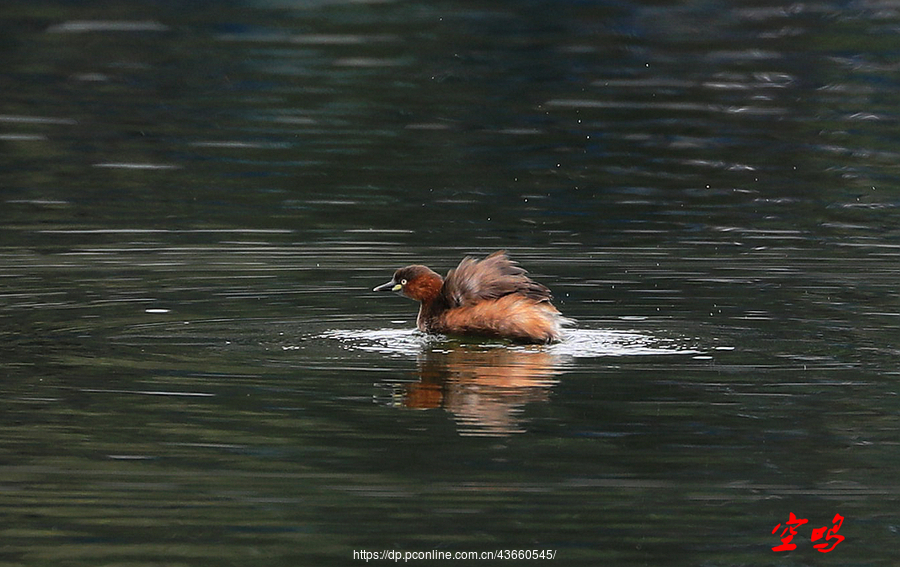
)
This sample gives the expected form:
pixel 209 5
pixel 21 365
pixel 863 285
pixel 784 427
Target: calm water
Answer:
pixel 197 198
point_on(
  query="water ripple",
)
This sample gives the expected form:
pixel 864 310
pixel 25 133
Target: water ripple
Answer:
pixel 85 26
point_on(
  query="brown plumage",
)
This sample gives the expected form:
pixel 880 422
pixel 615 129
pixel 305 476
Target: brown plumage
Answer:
pixel 492 297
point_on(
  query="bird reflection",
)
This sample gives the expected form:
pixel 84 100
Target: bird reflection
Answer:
pixel 486 389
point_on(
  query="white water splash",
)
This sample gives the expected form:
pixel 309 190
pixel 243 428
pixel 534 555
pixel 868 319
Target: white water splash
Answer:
pixel 589 343
pixel 577 343
pixel 394 342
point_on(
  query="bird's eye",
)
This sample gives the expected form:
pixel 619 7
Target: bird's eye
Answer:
pixel 402 282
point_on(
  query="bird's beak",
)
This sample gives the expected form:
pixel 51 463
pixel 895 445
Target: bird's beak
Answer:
pixel 390 286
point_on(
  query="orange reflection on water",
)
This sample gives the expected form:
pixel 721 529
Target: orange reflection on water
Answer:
pixel 486 389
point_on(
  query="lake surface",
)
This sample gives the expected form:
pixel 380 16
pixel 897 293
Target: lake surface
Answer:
pixel 197 199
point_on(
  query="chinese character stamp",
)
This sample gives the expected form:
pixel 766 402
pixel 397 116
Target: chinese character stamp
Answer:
pixel 790 530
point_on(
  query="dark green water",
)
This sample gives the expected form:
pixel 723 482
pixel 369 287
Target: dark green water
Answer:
pixel 197 198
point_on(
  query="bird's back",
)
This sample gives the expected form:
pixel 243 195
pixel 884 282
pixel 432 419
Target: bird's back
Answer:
pixel 492 278
pixel 495 297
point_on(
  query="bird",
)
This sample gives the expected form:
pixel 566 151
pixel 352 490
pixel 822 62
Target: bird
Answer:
pixel 492 297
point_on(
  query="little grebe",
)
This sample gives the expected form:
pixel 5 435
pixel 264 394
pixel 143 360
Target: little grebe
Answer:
pixel 492 297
